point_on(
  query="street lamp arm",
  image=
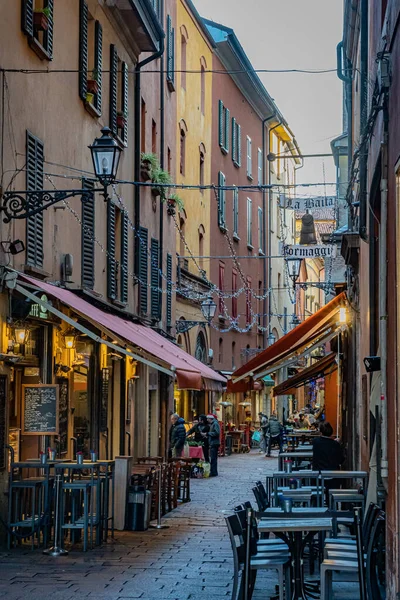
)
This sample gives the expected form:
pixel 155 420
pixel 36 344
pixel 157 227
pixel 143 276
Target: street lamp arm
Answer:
pixel 24 204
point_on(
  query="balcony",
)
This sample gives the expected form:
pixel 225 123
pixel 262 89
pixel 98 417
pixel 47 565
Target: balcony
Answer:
pixel 138 22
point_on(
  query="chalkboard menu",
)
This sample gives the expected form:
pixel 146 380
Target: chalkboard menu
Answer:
pixel 40 409
pixel 63 414
pixel 3 417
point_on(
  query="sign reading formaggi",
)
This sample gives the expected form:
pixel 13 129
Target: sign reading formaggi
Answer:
pixel 314 251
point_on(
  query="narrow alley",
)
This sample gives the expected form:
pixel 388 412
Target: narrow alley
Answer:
pixel 192 559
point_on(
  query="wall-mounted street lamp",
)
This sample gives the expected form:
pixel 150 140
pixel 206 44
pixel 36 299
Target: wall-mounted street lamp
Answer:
pixel 105 155
pixel 69 339
pixel 208 308
pixel 294 266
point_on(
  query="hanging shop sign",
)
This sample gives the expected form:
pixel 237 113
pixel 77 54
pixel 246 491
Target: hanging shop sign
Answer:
pixel 314 251
pixel 307 203
pixel 38 310
pixel 40 414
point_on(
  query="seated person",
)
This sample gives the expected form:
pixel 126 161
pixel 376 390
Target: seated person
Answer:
pixel 328 454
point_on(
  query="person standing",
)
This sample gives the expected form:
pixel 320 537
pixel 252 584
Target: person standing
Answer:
pixel 214 440
pixel 177 436
pixel 264 431
pixel 200 429
pixel 275 433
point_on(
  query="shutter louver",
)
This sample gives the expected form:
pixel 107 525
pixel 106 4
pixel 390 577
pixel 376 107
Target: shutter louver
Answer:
pixel 234 142
pixel 27 17
pixel 169 290
pixel 143 270
pixel 34 181
pixel 124 257
pixel 221 126
pixel 98 64
pixel 111 262
pixel 227 125
pixel 113 88
pixel 48 35
pixel 88 233
pixel 239 145
pixel 83 48
pixel 125 100
pixel 155 304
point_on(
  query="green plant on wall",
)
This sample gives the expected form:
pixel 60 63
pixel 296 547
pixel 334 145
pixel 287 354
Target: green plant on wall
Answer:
pixel 45 11
pixel 157 174
pixel 174 199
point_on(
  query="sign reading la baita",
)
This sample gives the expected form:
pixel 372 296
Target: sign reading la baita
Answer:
pixel 301 204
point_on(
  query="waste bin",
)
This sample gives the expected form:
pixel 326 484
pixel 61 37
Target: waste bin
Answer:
pixel 139 503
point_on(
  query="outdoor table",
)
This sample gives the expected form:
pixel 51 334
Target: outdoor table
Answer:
pixel 297 457
pixel 281 477
pixel 196 452
pixel 296 533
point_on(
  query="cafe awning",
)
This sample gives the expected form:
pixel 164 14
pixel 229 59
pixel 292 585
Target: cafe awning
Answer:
pixel 243 386
pixel 325 366
pixel 317 330
pixel 150 347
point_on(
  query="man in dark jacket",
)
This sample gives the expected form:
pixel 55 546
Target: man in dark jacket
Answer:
pixel 177 436
pixel 200 429
pixel 275 433
pixel 328 454
pixel 214 438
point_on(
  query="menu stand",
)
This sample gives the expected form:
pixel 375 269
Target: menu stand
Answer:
pixel 159 525
pixel 56 550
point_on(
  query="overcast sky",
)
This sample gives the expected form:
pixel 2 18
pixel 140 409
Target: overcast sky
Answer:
pixel 293 34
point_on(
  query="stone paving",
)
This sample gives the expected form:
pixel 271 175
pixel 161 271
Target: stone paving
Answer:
pixel 191 560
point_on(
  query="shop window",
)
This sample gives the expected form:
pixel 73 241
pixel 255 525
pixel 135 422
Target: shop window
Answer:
pixel 170 54
pixel 117 253
pixel 223 127
pixel 119 89
pixel 38 25
pixel 34 181
pixel 90 60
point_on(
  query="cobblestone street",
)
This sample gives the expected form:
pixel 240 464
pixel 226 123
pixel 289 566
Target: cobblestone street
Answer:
pixel 189 560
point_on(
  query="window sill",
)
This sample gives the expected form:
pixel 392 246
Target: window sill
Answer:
pixel 38 49
pixel 118 303
pixel 224 150
pixel 91 109
pixel 250 247
pixel 249 177
pixel 222 228
pixel 171 85
pixel 236 164
pixel 37 271
pixel 261 252
pixel 235 237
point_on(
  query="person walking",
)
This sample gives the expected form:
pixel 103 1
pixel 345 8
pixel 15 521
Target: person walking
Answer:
pixel 264 431
pixel 214 438
pixel 177 436
pixel 200 429
pixel 275 433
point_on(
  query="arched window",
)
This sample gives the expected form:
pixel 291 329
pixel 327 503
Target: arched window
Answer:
pixel 184 41
pixel 203 67
pixel 201 246
pixel 182 133
pixel 202 158
pixel 201 348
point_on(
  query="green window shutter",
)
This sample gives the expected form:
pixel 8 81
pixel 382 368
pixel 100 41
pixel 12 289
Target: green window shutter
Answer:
pixel 34 181
pixel 239 145
pixel 113 88
pixel 27 17
pixel 155 297
pixel 169 48
pixel 124 256
pixel 83 48
pixel 125 100
pixel 143 269
pixel 98 64
pixel 221 126
pixel 227 125
pixel 48 35
pixel 88 233
pixel 234 141
pixel 111 262
pixel 169 291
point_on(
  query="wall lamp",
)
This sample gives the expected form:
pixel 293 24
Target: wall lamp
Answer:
pixel 372 363
pixel 15 247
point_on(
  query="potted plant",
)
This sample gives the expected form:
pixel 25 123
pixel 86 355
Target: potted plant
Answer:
pixel 92 85
pixel 174 202
pixel 89 98
pixel 41 19
pixel 149 162
pixel 122 119
pixel 159 178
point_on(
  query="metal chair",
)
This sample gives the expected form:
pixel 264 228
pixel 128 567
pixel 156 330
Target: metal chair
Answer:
pixel 259 544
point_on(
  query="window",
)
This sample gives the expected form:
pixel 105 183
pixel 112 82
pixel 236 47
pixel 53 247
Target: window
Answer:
pixel 223 127
pixel 201 246
pixel 143 126
pixel 260 304
pixel 154 296
pixel 90 61
pixel 143 270
pixel 153 137
pixel 170 54
pixel 202 160
pixel 221 285
pixel 221 201
pixel 203 66
pixel 118 96
pixel 259 166
pixel 233 356
pixel 249 159
pixel 117 253
pixel 234 298
pixel 184 40
pixel 34 181
pixel 182 151
pixel 260 230
pixel 38 26
pixel 220 350
pixel 201 348
pixel 249 223
pixel 236 214
pixel 169 159
pixel 236 143
pixel 248 301
pixel 169 291
pixel 88 232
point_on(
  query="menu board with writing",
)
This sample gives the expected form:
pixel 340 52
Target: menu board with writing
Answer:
pixel 40 409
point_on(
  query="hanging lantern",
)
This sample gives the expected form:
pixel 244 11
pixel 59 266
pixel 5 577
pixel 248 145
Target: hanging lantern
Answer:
pixel 307 233
pixel 21 333
pixel 69 339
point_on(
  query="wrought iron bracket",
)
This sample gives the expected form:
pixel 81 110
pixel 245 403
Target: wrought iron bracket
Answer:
pixel 21 205
pixel 182 326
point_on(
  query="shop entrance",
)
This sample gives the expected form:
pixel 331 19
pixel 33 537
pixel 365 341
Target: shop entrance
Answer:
pixel 83 407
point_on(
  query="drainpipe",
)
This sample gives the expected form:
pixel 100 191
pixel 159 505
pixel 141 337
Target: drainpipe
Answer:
pixel 162 164
pixel 345 75
pixel 264 205
pixel 383 316
pixel 138 101
pixel 363 117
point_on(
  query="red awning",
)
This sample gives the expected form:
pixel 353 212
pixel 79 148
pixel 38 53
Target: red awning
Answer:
pixel 189 370
pixel 312 329
pixel 325 366
pixel 243 386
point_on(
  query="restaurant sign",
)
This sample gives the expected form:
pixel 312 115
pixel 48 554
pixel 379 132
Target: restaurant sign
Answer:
pixel 314 251
pixel 302 204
